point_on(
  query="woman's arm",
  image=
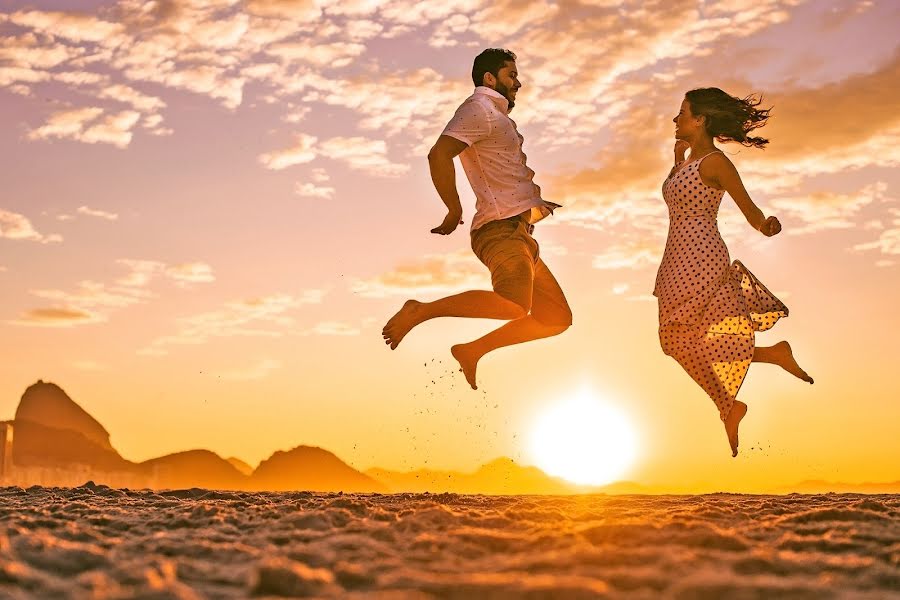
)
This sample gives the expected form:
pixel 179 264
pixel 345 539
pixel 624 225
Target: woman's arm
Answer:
pixel 680 148
pixel 723 175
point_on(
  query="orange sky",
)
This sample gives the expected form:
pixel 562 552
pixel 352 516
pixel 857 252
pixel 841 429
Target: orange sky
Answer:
pixel 210 209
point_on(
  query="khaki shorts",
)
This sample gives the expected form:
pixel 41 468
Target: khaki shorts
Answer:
pixel 512 255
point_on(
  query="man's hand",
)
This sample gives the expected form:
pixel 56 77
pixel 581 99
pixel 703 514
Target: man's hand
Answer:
pixel 681 147
pixel 771 226
pixel 451 222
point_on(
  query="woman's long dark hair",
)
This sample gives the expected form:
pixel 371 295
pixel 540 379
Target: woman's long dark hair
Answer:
pixel 728 118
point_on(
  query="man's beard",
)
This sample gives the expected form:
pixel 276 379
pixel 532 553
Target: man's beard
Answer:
pixel 504 91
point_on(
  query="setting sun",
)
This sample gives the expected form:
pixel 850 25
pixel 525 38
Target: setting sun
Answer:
pixel 584 440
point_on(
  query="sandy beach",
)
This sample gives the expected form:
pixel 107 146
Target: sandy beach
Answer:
pixel 97 542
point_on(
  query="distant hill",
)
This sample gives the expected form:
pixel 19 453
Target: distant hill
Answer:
pixel 195 468
pixel 311 468
pixel 240 465
pixel 498 477
pixel 48 405
pixel 51 431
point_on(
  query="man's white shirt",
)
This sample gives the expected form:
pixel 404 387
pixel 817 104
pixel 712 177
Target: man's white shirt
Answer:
pixel 494 162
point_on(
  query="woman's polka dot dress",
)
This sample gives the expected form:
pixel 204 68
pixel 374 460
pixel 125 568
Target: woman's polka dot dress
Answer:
pixel 709 308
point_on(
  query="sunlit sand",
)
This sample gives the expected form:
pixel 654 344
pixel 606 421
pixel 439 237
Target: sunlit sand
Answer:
pixel 93 541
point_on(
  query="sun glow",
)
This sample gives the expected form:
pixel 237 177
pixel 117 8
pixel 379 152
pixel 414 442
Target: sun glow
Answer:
pixel 584 441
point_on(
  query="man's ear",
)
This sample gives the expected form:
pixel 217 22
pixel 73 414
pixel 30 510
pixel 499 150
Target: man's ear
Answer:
pixel 489 80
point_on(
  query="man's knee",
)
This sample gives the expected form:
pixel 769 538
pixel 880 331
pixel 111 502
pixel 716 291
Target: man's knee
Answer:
pixel 517 295
pixel 560 319
pixel 518 307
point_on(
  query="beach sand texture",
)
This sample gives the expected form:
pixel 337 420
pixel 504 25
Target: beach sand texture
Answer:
pixel 97 542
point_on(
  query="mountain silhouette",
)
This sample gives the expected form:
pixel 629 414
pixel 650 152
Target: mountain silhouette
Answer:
pixel 195 468
pixel 500 476
pixel 51 431
pixel 309 467
pixel 240 465
pixel 49 405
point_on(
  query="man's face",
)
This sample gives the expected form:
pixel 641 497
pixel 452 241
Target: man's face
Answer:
pixel 507 82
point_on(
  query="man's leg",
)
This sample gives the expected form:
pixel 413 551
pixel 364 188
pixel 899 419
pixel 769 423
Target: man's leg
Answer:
pixel 480 304
pixel 508 252
pixel 550 315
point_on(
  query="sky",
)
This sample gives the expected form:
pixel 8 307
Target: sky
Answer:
pixel 210 208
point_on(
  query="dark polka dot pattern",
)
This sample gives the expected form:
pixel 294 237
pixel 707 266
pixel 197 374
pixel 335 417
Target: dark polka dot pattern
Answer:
pixel 709 308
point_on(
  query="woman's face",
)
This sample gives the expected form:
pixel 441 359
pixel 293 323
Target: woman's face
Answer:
pixel 686 124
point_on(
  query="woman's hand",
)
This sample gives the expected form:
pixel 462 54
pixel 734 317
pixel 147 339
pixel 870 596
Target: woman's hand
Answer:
pixel 771 226
pixel 681 147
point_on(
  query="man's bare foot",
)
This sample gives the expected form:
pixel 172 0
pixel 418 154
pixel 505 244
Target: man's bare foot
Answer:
pixel 401 323
pixel 468 362
pixel 732 422
pixel 784 358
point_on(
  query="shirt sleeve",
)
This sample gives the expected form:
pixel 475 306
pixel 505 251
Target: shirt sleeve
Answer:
pixel 470 124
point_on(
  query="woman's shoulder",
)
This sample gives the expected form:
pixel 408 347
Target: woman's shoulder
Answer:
pixel 715 162
pixel 714 167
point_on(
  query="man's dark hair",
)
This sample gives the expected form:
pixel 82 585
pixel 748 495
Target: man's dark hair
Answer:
pixel 490 61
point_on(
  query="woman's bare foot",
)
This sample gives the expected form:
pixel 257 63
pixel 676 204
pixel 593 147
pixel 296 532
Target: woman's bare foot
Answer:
pixel 732 422
pixel 401 323
pixel 468 361
pixel 783 356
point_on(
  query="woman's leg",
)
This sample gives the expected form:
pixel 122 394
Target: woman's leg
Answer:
pixel 780 354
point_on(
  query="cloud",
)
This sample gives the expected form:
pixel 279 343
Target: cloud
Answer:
pixel 11 75
pixel 142 272
pixel 335 55
pixel 434 273
pixel 91 295
pixel 193 272
pixel 888 242
pixel 311 190
pixel 128 95
pixel 92 302
pixel 359 153
pixel 300 153
pixel 73 27
pixel 265 316
pixel 14 226
pixel 57 317
pixel 293 10
pixel 101 214
pixel 73 124
pixel 823 210
pixel 66 123
pixel 819 130
pixel 395 102
pixel 28 52
pixel 363 154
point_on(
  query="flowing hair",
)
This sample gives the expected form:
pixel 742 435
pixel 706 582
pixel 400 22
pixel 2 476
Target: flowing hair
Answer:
pixel 728 118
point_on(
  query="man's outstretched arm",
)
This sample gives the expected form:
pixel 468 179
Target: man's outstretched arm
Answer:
pixel 443 175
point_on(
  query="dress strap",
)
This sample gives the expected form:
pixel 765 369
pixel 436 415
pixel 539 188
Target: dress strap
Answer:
pixel 705 155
